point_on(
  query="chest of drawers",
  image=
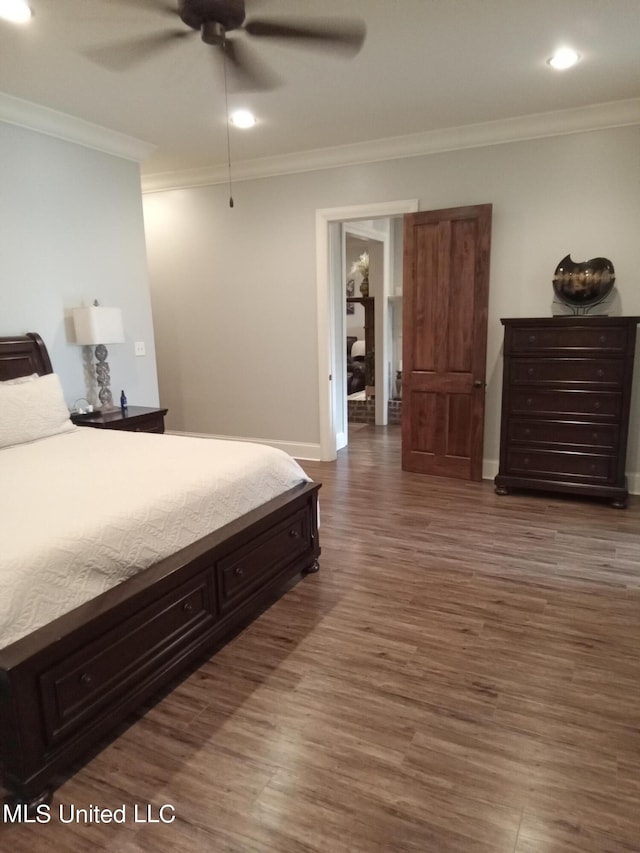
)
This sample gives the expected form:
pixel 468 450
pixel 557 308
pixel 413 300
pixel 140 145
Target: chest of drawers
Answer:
pixel 565 405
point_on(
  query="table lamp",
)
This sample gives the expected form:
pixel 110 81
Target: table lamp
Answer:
pixel 97 326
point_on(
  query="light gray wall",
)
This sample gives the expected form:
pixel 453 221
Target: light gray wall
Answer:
pixel 234 291
pixel 71 231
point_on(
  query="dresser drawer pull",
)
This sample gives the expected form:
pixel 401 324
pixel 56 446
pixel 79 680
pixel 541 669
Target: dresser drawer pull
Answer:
pixel 603 339
pixel 187 607
pixel 294 534
pixel 595 436
pixel 238 571
pixel 529 401
pixel 532 339
pixel 596 406
pixel 526 461
pixel 531 371
pixel 527 431
pixel 85 679
pixel 592 467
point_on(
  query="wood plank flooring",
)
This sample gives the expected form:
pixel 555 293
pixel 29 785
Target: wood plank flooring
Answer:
pixel 461 676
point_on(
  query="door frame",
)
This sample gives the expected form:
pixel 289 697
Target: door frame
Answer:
pixel 326 302
pixel 381 373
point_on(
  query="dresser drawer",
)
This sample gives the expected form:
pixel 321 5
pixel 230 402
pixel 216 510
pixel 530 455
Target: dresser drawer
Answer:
pixel 603 373
pixel 261 559
pixel 543 464
pixel 603 436
pixel 81 686
pixel 604 339
pixel 597 404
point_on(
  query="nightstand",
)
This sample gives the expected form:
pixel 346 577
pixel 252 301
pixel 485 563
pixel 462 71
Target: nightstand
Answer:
pixel 135 419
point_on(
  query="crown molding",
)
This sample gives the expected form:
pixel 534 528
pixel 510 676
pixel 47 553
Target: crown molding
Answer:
pixel 71 129
pixel 535 126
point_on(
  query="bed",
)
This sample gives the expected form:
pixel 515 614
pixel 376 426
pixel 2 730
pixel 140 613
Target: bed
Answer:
pixel 107 641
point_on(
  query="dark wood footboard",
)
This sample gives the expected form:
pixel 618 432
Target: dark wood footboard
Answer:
pixel 64 687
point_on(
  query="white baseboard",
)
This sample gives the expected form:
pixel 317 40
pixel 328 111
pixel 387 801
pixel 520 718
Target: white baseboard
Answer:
pixel 633 483
pixel 298 450
pixel 489 468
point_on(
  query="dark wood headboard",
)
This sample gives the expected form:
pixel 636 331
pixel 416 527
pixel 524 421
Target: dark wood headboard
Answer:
pixel 21 356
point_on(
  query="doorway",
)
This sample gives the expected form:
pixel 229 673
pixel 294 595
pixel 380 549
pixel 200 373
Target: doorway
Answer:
pixel 331 296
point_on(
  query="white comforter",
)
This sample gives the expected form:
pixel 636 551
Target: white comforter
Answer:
pixel 82 511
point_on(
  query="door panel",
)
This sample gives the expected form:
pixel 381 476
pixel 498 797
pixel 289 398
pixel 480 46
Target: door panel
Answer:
pixel 446 291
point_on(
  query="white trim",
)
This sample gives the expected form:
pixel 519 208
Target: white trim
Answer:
pixel 490 468
pixel 633 483
pixel 535 126
pixel 71 129
pixel 326 319
pixel 300 450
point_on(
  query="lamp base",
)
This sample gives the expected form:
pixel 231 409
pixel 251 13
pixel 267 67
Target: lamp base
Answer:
pixel 105 396
pixel 102 375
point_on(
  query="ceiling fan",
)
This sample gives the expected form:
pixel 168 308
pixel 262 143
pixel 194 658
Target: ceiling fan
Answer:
pixel 223 24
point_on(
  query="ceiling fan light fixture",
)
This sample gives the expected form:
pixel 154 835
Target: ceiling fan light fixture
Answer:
pixel 242 118
pixel 563 58
pixel 16 11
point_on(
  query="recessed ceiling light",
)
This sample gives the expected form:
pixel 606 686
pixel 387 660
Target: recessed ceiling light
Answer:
pixel 563 58
pixel 242 118
pixel 16 11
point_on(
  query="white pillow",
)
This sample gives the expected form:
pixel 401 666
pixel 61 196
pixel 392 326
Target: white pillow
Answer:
pixel 32 410
pixel 19 380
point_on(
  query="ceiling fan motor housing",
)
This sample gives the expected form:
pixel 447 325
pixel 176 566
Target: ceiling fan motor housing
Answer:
pixel 229 14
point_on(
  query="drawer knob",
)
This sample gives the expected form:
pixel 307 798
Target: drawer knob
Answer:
pixel 595 436
pixel 531 371
pixel 592 467
pixel 596 406
pixel 294 534
pixel 532 339
pixel 529 401
pixel 238 571
pixel 600 373
pixel 187 607
pixel 526 461
pixel 85 679
pixel 603 339
pixel 527 431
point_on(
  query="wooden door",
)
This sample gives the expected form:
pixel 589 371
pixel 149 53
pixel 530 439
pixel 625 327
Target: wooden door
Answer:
pixel 446 294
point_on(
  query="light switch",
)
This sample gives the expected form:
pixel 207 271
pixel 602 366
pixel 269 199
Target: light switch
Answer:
pixel 140 348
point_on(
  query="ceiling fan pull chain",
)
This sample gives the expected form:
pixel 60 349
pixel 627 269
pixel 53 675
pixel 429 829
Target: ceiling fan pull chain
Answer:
pixel 226 104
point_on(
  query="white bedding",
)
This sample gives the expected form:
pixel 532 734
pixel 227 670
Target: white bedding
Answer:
pixel 82 511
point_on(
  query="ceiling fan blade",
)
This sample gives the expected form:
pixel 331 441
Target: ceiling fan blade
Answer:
pixel 345 34
pixel 250 73
pixel 126 54
pixel 165 7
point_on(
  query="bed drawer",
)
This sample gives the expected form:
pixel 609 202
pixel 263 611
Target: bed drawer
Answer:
pixel 261 559
pixel 83 684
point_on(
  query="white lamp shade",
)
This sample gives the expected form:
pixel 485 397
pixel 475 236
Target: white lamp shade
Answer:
pixel 98 325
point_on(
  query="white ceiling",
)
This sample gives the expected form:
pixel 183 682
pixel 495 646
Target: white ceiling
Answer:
pixel 425 65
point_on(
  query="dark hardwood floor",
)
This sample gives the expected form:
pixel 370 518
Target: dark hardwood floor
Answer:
pixel 463 674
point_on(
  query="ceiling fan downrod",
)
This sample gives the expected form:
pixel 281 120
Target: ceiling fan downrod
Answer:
pixel 213 33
